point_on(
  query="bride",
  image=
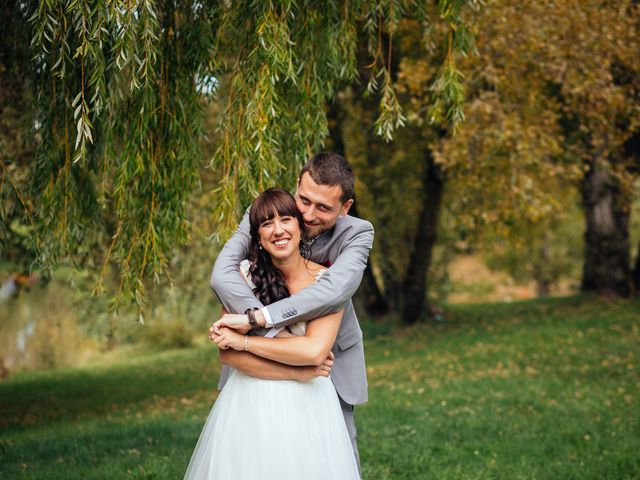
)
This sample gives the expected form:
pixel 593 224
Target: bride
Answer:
pixel 277 429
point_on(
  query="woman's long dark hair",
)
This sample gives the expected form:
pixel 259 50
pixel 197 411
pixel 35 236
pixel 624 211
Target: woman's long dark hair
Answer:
pixel 269 281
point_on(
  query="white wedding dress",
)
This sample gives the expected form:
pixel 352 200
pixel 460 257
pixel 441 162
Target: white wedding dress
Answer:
pixel 274 429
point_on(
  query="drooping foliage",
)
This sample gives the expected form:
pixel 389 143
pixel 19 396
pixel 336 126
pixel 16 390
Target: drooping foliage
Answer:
pixel 120 87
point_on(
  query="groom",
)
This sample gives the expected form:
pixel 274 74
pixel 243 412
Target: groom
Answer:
pixel 324 195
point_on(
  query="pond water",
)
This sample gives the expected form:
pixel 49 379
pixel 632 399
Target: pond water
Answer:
pixel 38 329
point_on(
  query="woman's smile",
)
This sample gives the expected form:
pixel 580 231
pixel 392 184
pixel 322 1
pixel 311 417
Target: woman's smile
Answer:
pixel 282 243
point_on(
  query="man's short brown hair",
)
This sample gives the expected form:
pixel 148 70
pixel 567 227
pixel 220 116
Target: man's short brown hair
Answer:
pixel 328 168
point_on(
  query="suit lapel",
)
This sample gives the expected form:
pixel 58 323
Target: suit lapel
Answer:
pixel 321 251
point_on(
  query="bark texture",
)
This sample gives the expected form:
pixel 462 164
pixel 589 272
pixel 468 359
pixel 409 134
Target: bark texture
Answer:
pixel 414 290
pixel 606 269
pixel 369 296
pixel 636 271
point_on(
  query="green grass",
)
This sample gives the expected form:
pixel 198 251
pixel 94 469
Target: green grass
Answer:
pixel 534 390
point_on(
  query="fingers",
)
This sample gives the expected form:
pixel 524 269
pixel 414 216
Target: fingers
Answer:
pixel 324 369
pixel 320 372
pixel 212 333
pixel 220 340
pixel 218 325
pixel 329 360
pixel 215 329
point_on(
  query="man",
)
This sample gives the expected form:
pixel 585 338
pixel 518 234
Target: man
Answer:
pixel 324 195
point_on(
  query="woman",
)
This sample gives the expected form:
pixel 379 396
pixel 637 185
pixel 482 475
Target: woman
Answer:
pixel 281 429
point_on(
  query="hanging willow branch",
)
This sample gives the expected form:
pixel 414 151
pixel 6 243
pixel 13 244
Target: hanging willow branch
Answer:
pixel 121 84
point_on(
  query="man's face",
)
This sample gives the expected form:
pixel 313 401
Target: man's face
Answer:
pixel 320 205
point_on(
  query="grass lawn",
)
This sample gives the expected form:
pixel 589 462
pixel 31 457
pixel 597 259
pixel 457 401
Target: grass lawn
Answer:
pixel 536 390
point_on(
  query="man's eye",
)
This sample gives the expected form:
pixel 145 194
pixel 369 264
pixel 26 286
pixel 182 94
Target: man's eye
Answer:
pixel 305 201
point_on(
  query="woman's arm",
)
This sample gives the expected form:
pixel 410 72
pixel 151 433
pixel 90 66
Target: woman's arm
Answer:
pixel 311 349
pixel 258 367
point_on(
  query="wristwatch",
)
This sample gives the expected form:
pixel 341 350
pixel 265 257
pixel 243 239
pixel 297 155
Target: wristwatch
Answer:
pixel 253 323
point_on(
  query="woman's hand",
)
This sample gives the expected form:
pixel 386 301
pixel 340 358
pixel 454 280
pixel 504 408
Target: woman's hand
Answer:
pixel 229 338
pixel 304 374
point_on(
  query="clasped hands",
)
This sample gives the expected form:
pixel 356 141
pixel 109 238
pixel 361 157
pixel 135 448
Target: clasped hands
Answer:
pixel 229 333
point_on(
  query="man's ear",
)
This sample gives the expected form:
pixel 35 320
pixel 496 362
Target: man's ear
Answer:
pixel 346 206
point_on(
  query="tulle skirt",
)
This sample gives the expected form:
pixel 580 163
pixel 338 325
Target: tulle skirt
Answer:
pixel 280 430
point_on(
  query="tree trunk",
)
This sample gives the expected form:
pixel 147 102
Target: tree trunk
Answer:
pixel 606 269
pixel 632 152
pixel 369 295
pixel 636 271
pixel 541 273
pixel 414 291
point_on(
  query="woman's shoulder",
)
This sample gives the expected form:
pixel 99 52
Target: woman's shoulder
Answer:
pixel 245 270
pixel 315 269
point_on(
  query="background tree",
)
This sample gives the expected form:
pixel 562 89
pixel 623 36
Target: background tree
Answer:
pixel 401 183
pixel 537 110
pixel 554 91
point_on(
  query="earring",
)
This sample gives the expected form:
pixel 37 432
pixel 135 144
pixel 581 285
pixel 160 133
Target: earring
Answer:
pixel 260 246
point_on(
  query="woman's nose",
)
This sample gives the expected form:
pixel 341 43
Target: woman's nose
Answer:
pixel 277 228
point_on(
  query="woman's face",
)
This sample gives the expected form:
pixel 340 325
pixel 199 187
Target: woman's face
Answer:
pixel 280 236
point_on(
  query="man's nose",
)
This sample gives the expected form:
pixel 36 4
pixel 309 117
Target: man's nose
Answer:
pixel 309 214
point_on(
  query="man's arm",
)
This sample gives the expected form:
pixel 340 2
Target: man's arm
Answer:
pixel 328 295
pixel 258 367
pixel 226 281
pixel 334 287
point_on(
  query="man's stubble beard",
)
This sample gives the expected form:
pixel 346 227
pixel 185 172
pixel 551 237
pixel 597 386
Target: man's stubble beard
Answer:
pixel 311 234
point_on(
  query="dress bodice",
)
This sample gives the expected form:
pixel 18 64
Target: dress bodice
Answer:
pixel 298 328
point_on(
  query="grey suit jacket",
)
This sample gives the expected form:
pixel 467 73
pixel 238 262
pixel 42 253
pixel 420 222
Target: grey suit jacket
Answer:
pixel 345 250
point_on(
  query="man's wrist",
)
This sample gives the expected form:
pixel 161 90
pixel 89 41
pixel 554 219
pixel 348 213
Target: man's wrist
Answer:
pixel 260 318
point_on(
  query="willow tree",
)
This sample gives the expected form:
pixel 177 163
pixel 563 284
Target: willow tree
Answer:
pixel 16 145
pixel 120 86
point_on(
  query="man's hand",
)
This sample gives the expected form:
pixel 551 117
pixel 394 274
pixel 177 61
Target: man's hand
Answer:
pixel 231 320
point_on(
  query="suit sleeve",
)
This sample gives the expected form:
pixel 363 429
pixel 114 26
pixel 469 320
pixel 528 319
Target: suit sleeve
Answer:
pixel 232 290
pixel 333 289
